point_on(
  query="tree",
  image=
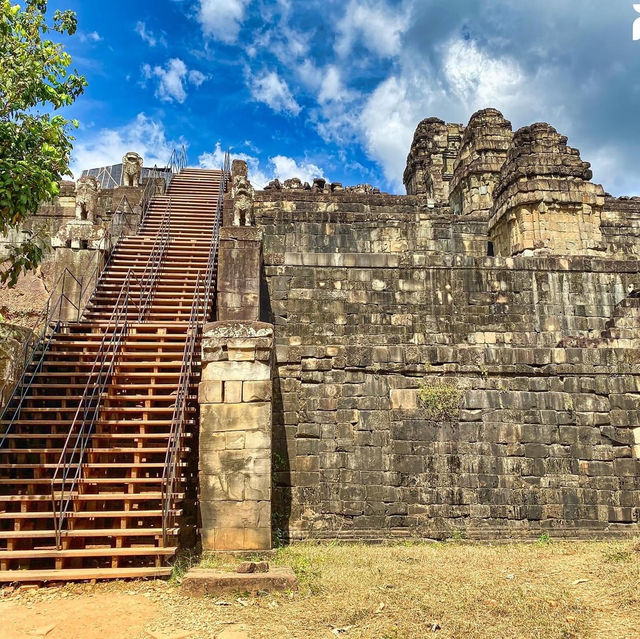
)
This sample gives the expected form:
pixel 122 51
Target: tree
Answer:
pixel 35 143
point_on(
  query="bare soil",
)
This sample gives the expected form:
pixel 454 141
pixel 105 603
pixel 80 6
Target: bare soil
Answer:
pixel 556 590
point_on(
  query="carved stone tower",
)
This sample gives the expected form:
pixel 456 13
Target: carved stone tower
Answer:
pixel 431 158
pixel 544 202
pixel 483 151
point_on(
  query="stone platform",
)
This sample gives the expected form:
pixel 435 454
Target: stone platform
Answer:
pixel 200 582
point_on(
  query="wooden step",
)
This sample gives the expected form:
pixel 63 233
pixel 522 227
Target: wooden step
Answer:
pixel 88 552
pixel 80 574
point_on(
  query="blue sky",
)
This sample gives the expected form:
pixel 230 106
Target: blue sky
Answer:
pixel 336 88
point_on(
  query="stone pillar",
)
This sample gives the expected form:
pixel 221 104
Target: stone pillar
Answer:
pixel 235 436
pixel 239 263
pixel 235 391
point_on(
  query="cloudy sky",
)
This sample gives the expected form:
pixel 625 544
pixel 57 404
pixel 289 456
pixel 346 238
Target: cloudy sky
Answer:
pixel 335 88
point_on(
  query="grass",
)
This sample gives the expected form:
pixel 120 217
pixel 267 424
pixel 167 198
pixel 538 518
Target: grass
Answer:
pixel 550 590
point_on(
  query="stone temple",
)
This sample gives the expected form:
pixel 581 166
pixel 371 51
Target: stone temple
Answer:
pixel 320 361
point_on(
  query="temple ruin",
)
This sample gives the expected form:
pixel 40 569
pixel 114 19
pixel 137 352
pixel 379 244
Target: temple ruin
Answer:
pixel 317 361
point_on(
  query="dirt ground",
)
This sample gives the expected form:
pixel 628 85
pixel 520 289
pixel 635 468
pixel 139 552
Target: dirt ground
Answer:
pixel 546 590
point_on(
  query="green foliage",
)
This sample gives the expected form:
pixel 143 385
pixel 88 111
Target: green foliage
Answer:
pixel 544 539
pixel 35 146
pixel 440 397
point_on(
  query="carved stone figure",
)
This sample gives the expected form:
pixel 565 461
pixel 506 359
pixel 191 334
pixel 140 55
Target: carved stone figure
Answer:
pixel 131 169
pixel 87 191
pixel 242 193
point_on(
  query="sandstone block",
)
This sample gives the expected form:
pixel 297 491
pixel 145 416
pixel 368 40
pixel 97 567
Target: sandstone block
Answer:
pixel 236 371
pixel 215 418
pixel 200 582
pixel 232 391
pixel 210 392
pixel 257 391
pixel 404 399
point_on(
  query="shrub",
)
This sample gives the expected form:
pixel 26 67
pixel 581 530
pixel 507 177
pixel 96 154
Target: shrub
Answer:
pixel 440 397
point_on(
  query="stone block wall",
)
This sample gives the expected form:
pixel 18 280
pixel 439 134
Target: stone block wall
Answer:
pixel 620 227
pixel 544 436
pixel 410 300
pixel 301 221
pixel 541 441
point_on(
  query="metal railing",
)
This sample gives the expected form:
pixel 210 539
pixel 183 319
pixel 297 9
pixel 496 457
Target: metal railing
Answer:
pixel 63 309
pixel 177 162
pixel 201 309
pixel 70 463
pixel 212 262
pixel 61 304
pixel 147 281
pixel 150 189
pixel 69 466
pixel 178 419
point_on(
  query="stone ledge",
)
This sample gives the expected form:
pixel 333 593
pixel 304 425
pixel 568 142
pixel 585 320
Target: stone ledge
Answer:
pixel 200 582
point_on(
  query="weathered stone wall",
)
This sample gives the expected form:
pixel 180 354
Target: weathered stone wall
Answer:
pixel 620 227
pixel 301 221
pixel 420 299
pixel 367 305
pixel 14 343
pixel 543 441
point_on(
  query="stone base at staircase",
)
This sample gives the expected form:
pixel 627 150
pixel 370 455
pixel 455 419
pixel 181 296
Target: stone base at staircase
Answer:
pixel 200 582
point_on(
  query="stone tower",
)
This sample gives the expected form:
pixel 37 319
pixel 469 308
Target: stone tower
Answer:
pixel 430 161
pixel 544 201
pixel 483 151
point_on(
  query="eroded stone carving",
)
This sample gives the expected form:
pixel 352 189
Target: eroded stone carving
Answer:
pixel 431 159
pixel 242 193
pixel 131 169
pixel 87 190
pixel 544 201
pixel 482 154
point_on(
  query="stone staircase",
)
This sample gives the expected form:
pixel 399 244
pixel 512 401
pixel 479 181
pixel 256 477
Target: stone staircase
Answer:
pixel 622 329
pixel 95 445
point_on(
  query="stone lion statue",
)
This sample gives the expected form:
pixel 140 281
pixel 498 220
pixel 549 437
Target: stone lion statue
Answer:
pixel 242 193
pixel 87 190
pixel 131 169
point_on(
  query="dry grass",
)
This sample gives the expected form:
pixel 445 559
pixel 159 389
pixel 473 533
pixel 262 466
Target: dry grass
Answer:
pixel 557 590
pixel 554 590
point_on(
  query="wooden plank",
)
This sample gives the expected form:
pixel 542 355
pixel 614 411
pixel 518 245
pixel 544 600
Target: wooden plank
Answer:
pixel 80 574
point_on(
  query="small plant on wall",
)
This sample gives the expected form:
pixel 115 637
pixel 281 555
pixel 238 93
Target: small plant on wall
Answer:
pixel 440 397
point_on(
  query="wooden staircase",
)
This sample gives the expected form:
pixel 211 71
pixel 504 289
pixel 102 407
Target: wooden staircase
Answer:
pixel 82 500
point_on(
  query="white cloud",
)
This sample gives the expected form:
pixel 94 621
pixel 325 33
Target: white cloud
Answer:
pixel 144 135
pixel 332 89
pixel 94 36
pixel 197 77
pixel 465 79
pixel 374 24
pixel 279 166
pixel 215 160
pixel 479 79
pixel 285 167
pixel 387 123
pixel 149 36
pixel 221 19
pixel 273 91
pixel 172 79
